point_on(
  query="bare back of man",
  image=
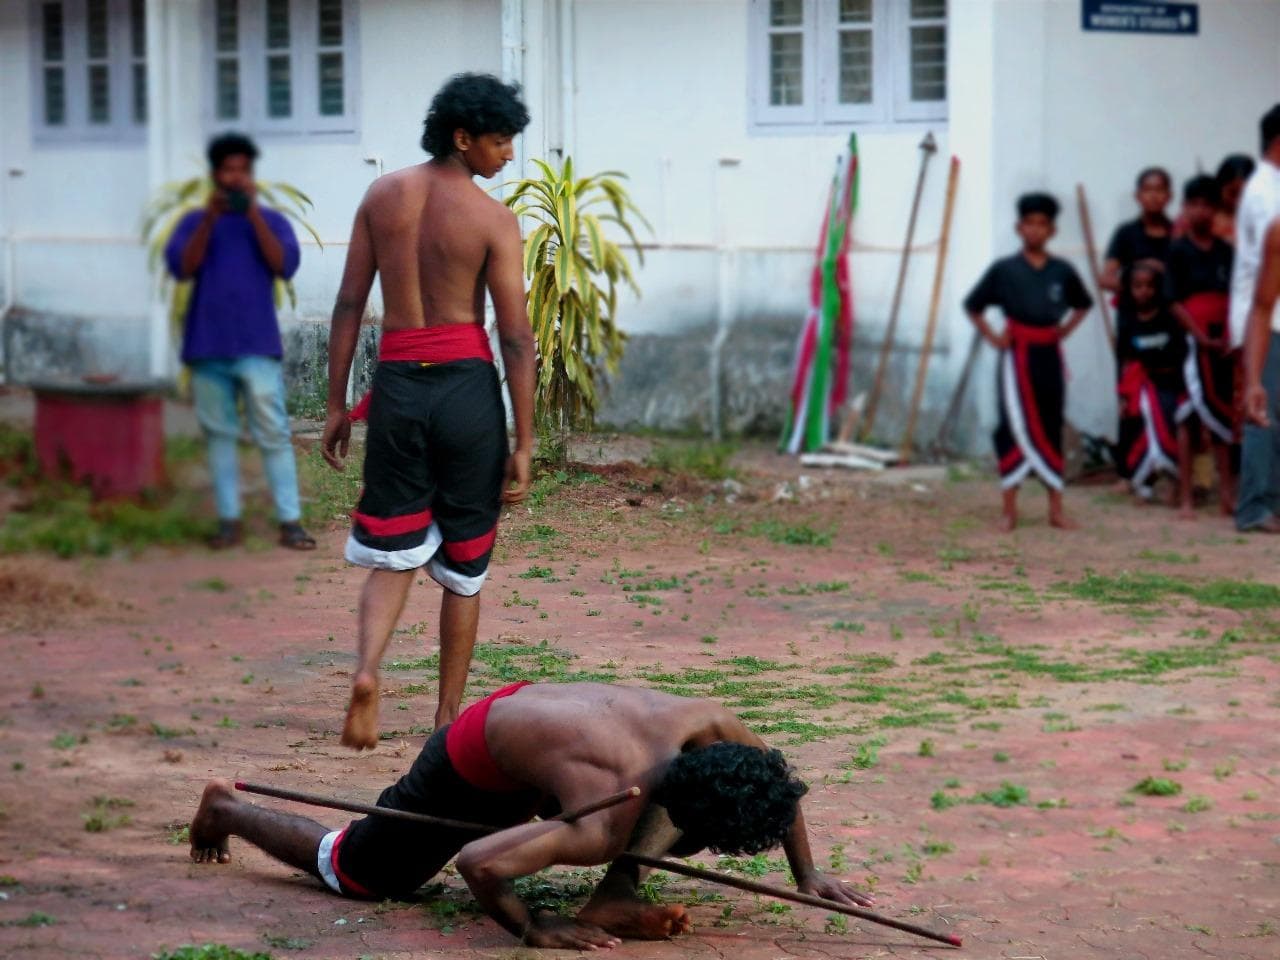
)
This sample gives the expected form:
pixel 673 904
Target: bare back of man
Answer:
pixel 436 465
pixel 431 229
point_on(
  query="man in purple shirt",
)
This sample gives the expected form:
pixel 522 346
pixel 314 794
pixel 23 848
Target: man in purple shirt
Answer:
pixel 234 249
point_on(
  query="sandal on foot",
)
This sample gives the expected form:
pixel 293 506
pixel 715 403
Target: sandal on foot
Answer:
pixel 230 533
pixel 295 538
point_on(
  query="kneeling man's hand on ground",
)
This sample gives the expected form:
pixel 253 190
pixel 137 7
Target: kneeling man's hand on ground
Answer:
pixel 832 888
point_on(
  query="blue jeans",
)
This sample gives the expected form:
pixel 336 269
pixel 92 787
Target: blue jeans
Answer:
pixel 259 381
pixel 1258 495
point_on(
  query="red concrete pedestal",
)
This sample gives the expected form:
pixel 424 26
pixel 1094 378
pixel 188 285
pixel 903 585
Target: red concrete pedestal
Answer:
pixel 109 436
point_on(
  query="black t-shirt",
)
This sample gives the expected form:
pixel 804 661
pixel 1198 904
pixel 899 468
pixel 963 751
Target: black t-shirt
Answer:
pixel 1158 343
pixel 1036 297
pixel 1193 269
pixel 1131 243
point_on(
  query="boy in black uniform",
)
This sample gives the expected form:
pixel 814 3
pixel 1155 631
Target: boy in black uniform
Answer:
pixel 1199 279
pixel 1151 350
pixel 1034 291
pixel 1146 238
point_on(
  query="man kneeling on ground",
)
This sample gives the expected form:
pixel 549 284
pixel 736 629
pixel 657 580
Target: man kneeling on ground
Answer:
pixel 706 781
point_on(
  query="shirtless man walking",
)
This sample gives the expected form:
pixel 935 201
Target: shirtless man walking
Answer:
pixel 706 781
pixel 436 465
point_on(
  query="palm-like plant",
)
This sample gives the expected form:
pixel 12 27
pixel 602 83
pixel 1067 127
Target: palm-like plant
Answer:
pixel 574 271
pixel 175 200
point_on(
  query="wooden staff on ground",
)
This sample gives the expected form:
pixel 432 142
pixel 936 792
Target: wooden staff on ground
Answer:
pixel 568 816
pixel 752 886
pixel 953 176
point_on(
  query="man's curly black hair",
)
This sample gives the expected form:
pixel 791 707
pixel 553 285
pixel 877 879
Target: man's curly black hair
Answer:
pixel 731 798
pixel 230 145
pixel 478 103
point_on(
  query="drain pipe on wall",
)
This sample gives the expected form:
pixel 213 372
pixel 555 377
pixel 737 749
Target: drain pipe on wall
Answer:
pixel 568 80
pixel 727 280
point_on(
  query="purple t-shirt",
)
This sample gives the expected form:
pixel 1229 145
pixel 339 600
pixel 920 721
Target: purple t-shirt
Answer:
pixel 232 311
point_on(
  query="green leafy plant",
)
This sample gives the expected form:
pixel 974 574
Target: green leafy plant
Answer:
pixel 574 272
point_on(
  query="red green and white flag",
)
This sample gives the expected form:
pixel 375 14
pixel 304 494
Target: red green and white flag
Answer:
pixel 821 381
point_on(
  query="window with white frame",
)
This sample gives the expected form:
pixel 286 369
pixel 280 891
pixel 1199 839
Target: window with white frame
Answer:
pixel 815 63
pixel 90 62
pixel 283 66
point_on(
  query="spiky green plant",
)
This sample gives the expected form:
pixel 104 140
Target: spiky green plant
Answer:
pixel 175 200
pixel 574 271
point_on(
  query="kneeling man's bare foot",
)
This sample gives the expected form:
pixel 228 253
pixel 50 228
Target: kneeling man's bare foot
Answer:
pixel 360 732
pixel 208 836
pixel 1008 522
pixel 634 919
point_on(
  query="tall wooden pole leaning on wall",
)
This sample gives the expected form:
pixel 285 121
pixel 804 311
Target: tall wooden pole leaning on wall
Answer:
pixel 1086 227
pixel 953 177
pixel 928 147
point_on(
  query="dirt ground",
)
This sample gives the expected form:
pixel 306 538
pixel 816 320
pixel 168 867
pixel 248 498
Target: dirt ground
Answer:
pixel 972 711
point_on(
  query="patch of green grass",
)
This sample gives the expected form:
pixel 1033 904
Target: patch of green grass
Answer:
pixel 797 535
pixel 1197 804
pixel 926 749
pixel 278 942
pixel 329 496
pixel 538 533
pixel 706 461
pixel 1007 795
pixel 1149 589
pixel 750 665
pixel 867 754
pixel 208 951
pixel 212 584
pixel 918 576
pixel 936 848
pixel 65 741
pixel 861 663
pixel 1157 787
pixel 849 626
pixel 33 919
pixel 540 573
pixel 63 518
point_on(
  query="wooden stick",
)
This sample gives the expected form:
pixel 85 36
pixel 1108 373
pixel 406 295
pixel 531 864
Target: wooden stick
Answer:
pixel 939 270
pixel 751 886
pixel 943 439
pixel 928 148
pixel 568 816
pixel 1086 226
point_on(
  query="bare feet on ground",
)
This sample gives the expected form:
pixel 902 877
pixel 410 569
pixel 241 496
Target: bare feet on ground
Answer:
pixel 208 838
pixel 1186 512
pixel 1062 522
pixel 360 732
pixel 1007 523
pixel 637 919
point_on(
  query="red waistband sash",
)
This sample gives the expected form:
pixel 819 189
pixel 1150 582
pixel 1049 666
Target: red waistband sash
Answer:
pixel 1026 334
pixel 443 343
pixel 1208 310
pixel 468 748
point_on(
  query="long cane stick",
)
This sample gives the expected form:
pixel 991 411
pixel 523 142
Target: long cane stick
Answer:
pixel 568 816
pixel 957 396
pixel 1086 227
pixel 953 176
pixel 752 886
pixel 928 147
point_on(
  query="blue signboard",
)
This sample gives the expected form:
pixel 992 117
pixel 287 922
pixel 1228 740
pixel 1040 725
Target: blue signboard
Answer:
pixel 1140 16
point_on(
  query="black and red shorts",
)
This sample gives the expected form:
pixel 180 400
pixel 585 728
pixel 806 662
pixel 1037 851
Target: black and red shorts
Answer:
pixel 378 857
pixel 434 459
